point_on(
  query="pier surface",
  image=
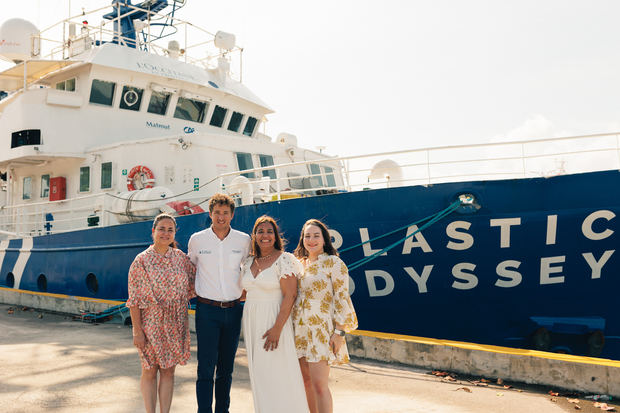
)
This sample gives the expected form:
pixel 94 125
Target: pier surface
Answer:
pixel 51 363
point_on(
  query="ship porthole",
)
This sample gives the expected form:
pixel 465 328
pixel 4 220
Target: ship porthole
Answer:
pixel 91 283
pixel 42 283
pixel 10 280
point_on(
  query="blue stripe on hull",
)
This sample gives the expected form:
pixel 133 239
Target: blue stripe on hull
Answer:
pixel 471 304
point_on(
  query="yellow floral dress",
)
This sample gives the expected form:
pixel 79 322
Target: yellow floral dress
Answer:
pixel 322 299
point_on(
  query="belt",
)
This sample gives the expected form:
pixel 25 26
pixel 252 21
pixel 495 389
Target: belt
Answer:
pixel 221 304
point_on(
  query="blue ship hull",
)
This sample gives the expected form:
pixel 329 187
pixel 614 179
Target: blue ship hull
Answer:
pixel 538 253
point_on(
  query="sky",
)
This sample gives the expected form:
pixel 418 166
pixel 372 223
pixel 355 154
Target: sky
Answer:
pixel 367 76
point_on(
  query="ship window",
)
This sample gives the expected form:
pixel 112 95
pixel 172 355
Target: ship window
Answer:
pixel 68 85
pixel 267 160
pixel 45 186
pixel 329 175
pixel 190 109
pixel 316 181
pixel 159 103
pixel 102 92
pixel 131 98
pixel 249 126
pixel 106 175
pixel 244 160
pixel 27 190
pixel 294 181
pixel 235 121
pixel 85 179
pixel 217 119
pixel 26 137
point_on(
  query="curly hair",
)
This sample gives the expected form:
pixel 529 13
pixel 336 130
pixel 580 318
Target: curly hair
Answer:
pixel 221 199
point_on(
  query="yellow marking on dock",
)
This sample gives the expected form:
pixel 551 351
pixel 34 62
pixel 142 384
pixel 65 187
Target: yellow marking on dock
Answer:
pixel 490 348
pixel 65 296
pixel 95 300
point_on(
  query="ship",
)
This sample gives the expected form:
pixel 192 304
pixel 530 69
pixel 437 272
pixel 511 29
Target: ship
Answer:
pixel 102 127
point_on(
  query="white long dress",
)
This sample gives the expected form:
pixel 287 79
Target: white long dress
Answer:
pixel 277 385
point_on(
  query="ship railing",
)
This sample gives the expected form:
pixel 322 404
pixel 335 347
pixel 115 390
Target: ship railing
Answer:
pixel 494 161
pixel 458 163
pixel 75 35
pixel 49 217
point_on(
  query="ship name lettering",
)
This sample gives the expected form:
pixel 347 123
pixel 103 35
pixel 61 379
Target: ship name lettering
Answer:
pixel 586 227
pixel 466 280
pixel 466 240
pixel 164 71
pixel 366 248
pixel 420 280
pixel 417 240
pixel 381 283
pixel 503 270
pixel 547 268
pixel 505 224
pixel 373 291
pixel 459 239
pixel 595 265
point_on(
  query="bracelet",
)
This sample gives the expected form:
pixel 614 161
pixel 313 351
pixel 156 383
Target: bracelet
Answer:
pixel 339 332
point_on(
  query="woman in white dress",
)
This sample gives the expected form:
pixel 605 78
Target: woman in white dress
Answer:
pixel 270 280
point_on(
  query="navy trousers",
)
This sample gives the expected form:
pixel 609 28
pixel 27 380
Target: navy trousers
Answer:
pixel 217 331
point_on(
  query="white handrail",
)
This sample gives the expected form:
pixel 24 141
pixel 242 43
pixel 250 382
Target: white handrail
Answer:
pixel 427 169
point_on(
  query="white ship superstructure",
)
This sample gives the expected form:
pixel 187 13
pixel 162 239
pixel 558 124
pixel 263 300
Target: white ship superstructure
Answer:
pixel 128 121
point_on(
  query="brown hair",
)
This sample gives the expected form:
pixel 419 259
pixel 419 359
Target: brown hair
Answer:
pixel 279 242
pixel 328 248
pixel 221 199
pixel 160 218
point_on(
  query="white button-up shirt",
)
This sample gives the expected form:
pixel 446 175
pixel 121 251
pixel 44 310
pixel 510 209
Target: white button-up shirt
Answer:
pixel 218 263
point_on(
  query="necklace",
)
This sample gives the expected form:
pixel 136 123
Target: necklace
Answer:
pixel 261 258
pixel 266 256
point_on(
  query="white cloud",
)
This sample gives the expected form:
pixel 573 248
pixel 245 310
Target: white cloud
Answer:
pixel 535 127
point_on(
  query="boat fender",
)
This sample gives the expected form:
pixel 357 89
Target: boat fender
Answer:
pixel 140 174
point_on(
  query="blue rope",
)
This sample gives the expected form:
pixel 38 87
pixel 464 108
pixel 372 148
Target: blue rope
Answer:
pixel 435 218
pixel 386 234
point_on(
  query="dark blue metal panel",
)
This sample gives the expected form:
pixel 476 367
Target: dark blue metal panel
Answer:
pixel 570 304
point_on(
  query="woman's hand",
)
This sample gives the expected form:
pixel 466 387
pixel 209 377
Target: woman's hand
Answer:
pixel 272 336
pixel 336 342
pixel 139 340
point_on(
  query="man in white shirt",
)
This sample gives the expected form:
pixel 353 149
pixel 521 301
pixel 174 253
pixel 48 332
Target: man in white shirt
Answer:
pixel 217 252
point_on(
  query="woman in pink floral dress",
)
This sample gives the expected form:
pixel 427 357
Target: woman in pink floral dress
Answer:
pixel 161 281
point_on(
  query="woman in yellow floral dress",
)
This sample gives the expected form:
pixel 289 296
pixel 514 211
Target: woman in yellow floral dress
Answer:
pixel 322 314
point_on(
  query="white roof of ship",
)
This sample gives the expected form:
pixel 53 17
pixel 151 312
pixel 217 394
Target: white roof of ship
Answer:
pixel 132 60
pixel 125 58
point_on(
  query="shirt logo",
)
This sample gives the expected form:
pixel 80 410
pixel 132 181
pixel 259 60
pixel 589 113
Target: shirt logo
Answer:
pixel 204 252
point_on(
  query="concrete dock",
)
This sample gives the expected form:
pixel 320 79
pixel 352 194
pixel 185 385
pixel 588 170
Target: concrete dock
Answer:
pixel 51 363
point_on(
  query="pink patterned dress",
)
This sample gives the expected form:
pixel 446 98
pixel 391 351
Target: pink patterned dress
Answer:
pixel 161 286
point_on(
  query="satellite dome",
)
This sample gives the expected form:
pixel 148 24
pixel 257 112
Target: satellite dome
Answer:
pixel 18 40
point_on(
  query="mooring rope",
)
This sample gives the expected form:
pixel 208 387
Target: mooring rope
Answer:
pixel 433 219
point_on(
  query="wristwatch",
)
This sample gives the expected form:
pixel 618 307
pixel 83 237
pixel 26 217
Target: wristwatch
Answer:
pixel 339 332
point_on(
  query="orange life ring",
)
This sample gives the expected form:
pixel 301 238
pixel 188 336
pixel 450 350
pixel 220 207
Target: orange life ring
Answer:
pixel 140 174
